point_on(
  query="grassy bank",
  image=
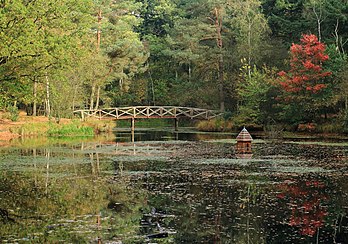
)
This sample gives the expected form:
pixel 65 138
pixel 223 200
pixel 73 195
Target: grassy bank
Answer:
pixel 276 130
pixel 67 128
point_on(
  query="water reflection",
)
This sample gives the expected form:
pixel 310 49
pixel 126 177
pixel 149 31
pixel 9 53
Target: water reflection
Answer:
pixel 118 191
pixel 307 200
pixel 58 200
pixel 210 210
pixel 125 135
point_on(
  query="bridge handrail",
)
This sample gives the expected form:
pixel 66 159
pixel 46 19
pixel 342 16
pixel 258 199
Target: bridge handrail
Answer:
pixel 149 111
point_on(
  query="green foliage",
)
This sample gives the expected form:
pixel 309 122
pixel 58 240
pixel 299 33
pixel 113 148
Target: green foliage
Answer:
pixel 253 93
pixel 39 42
pixel 14 113
pixel 63 199
pixel 72 129
pixel 166 53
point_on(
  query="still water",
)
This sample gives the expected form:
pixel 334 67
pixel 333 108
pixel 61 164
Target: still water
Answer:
pixel 171 187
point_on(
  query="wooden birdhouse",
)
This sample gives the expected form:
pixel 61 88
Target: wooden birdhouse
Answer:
pixel 244 140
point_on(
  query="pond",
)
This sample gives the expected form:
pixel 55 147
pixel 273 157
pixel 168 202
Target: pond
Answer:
pixel 169 187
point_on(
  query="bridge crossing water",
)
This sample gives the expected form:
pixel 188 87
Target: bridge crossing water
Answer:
pixel 148 112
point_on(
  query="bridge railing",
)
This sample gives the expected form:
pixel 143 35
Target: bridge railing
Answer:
pixel 148 112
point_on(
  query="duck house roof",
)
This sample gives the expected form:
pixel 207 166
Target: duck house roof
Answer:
pixel 244 136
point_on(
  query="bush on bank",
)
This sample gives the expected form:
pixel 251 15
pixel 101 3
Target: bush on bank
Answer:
pixel 72 128
pixel 214 125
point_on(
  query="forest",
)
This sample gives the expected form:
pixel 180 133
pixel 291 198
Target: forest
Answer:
pixel 262 62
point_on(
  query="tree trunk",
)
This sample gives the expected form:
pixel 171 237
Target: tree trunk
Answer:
pixel 152 87
pixel 98 98
pixel 74 98
pixel 48 102
pixel 91 106
pixel 218 26
pixel 99 29
pixel 91 102
pixel 221 84
pixel 35 99
pixel 249 47
pixel 189 72
pixel 319 20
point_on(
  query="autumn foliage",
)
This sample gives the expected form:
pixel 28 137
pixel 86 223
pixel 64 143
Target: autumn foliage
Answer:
pixel 306 73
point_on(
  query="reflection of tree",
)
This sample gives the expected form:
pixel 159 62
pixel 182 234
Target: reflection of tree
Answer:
pixel 208 209
pixel 68 210
pixel 305 198
pixel 249 213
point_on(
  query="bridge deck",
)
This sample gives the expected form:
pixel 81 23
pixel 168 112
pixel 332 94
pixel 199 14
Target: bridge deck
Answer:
pixel 149 112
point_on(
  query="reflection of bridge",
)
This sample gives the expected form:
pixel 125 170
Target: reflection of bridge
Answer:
pixel 124 149
pixel 147 112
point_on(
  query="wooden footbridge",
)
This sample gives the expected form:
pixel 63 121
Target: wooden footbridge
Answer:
pixel 148 112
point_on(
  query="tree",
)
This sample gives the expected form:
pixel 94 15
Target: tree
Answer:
pixel 126 52
pixel 40 39
pixel 198 45
pixel 329 18
pixel 307 83
pixel 253 95
pixel 251 29
pixel 306 75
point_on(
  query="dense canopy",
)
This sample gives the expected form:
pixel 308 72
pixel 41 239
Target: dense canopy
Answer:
pixel 261 61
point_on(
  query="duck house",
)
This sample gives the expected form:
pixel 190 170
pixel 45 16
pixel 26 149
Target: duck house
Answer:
pixel 244 140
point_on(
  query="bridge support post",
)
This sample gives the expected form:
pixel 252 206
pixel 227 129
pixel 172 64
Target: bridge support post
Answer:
pixel 133 124
pixel 176 124
pixel 132 128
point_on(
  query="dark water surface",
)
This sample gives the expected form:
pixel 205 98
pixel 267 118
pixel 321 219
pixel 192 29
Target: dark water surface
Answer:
pixel 172 188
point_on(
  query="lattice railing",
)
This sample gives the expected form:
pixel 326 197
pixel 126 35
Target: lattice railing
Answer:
pixel 148 112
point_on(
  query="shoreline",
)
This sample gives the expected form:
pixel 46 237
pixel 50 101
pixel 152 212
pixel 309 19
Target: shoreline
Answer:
pixel 9 129
pixel 7 126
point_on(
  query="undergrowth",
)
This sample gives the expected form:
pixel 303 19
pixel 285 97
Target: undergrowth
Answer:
pixel 73 129
pixel 52 129
pixel 214 125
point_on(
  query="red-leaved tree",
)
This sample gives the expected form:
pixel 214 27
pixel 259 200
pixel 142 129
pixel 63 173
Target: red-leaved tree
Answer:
pixel 306 75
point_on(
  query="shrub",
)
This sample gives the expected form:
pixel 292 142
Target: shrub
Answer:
pixel 214 125
pixel 14 113
pixel 53 129
pixel 100 126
